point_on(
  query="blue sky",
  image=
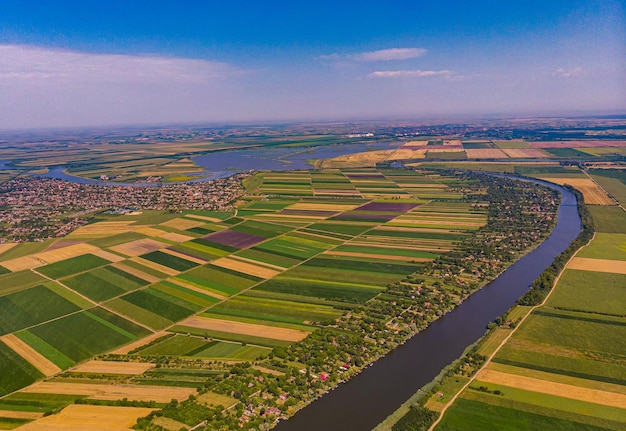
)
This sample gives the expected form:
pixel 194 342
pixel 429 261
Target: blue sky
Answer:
pixel 82 63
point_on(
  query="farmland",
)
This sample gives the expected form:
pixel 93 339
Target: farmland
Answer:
pixel 311 256
pixel 563 366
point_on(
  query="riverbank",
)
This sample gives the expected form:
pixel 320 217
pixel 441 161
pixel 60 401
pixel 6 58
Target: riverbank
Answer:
pixel 368 398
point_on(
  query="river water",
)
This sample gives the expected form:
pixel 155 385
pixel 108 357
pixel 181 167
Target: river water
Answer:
pixel 221 164
pixel 366 400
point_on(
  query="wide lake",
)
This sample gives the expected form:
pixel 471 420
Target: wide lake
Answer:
pixel 366 400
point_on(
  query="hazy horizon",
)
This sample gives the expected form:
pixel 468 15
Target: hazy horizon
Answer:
pixel 78 64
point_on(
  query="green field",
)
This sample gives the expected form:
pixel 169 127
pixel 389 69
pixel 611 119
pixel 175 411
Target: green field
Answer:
pixel 608 219
pixel 45 349
pixel 472 415
pixel 80 336
pixel 606 246
pixel 104 283
pixel 594 292
pixel 17 281
pixel 161 304
pixel 230 336
pixel 346 292
pixel 72 266
pixel 166 259
pixel 26 248
pixel 15 372
pixel 24 308
pixel 276 310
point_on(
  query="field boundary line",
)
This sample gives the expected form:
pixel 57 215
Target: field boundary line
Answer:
pixel 490 358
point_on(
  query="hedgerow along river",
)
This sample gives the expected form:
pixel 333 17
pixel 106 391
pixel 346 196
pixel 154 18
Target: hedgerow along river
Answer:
pixel 366 400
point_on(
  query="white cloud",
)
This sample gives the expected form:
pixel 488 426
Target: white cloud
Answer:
pixel 389 54
pixel 18 62
pixel 410 73
pixel 571 73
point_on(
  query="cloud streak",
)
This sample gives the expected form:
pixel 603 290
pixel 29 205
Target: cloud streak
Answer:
pixel 571 73
pixel 390 54
pixel 410 73
pixel 19 62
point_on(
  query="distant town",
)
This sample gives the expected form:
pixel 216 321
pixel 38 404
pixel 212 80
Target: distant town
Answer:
pixel 35 208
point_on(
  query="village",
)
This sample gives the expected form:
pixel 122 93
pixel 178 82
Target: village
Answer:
pixel 36 208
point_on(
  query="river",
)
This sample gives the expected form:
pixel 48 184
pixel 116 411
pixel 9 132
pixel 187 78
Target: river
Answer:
pixel 366 400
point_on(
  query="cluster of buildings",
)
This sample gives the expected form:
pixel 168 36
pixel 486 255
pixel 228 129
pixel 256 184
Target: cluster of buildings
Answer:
pixel 33 209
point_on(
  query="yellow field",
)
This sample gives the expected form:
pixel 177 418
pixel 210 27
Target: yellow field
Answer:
pixel 111 257
pixel 149 231
pixel 103 228
pixel 181 223
pixel 199 217
pixel 137 247
pixel 5 246
pixel 558 378
pixel 245 328
pixel 31 355
pixel 111 367
pixel 79 417
pixel 519 153
pixel 246 268
pixel 485 153
pixel 599 265
pixel 22 263
pixel 160 394
pixel 367 158
pixel 14 414
pixel 592 193
pixel 552 388
pixel 176 237
pixel 257 263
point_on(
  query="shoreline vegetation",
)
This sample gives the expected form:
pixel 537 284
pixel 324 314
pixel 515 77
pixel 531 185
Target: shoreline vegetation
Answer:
pixel 415 414
pixel 502 198
pixel 518 216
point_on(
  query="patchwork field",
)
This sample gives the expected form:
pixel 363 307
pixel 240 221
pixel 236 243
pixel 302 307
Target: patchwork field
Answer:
pixel 169 305
pixel 563 367
pixel 89 418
